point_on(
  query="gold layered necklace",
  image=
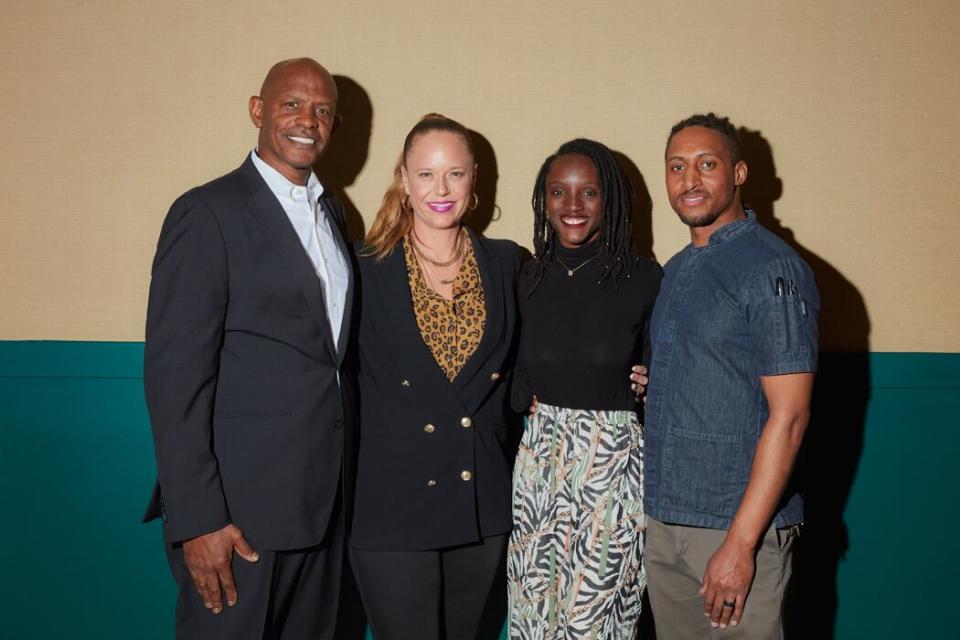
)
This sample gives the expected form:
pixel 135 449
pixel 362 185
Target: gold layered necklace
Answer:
pixel 417 243
pixel 430 267
pixel 432 275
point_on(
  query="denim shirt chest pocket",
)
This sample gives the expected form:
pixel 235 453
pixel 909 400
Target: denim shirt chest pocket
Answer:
pixel 717 461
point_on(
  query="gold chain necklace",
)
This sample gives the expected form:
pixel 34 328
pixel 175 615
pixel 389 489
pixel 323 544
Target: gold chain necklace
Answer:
pixel 431 275
pixel 456 255
pixel 571 271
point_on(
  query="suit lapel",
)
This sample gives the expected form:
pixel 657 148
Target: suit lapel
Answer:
pixel 277 227
pixel 401 302
pixel 491 275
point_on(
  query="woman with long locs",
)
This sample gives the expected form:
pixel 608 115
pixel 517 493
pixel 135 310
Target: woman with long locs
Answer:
pixel 575 555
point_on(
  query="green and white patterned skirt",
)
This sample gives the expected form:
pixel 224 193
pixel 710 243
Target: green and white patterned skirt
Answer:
pixel 574 564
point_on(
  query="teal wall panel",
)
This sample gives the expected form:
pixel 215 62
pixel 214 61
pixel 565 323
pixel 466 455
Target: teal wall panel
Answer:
pixel 76 469
pixel 902 518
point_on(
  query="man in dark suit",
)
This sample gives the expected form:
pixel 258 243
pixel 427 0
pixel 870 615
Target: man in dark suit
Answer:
pixel 244 369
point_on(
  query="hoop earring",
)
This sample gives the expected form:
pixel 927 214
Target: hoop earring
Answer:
pixel 405 203
pixel 476 202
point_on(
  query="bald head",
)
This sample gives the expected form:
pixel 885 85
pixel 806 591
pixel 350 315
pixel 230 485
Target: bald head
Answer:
pixel 296 113
pixel 279 71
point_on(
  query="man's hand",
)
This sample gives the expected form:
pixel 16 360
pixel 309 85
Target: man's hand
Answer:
pixel 638 380
pixel 208 559
pixel 727 582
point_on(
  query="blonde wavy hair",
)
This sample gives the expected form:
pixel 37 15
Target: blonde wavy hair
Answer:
pixel 395 217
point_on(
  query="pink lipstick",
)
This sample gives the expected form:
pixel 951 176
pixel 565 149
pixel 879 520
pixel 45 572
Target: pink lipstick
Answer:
pixel 442 206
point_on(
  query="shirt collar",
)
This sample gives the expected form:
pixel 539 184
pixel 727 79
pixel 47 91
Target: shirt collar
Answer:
pixel 735 228
pixel 282 187
pixel 583 252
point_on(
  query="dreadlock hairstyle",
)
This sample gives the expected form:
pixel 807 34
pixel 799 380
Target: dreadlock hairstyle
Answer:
pixel 616 253
pixel 715 122
pixel 395 217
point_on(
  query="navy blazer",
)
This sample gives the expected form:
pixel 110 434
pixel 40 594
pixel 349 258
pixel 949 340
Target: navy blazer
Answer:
pixel 433 470
pixel 241 370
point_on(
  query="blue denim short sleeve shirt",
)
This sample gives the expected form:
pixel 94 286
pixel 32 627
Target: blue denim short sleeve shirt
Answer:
pixel 743 306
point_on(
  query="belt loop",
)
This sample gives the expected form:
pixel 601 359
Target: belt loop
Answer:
pixel 787 532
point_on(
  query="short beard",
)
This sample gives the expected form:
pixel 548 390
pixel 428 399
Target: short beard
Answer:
pixel 704 220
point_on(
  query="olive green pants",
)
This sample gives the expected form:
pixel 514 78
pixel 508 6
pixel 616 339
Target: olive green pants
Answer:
pixel 676 558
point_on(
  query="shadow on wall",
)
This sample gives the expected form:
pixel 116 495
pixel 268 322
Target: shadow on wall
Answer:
pixel 487 209
pixel 642 207
pixel 347 153
pixel 834 441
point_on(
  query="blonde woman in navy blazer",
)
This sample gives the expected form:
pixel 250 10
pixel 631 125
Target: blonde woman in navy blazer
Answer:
pixel 432 510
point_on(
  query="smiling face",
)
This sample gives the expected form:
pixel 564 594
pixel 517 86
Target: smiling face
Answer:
pixel 296 115
pixel 703 181
pixel 573 200
pixel 438 175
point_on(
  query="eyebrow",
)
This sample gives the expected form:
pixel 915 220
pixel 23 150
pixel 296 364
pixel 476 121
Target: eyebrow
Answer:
pixel 699 155
pixel 290 95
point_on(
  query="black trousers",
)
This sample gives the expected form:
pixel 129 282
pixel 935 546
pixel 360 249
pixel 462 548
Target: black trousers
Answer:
pixel 286 595
pixel 413 595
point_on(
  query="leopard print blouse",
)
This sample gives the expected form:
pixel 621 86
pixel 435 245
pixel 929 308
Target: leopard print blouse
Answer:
pixel 451 329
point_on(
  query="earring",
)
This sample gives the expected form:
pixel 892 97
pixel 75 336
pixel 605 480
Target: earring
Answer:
pixel 476 202
pixel 405 203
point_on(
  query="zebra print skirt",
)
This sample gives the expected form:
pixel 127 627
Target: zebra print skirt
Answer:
pixel 574 565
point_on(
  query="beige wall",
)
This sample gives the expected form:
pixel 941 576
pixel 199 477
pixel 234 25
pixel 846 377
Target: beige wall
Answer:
pixel 113 108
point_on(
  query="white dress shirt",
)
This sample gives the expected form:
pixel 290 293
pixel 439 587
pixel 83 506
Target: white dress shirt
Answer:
pixel 314 229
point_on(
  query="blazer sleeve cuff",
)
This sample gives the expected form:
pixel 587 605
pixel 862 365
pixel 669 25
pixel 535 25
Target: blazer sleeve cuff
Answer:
pixel 194 515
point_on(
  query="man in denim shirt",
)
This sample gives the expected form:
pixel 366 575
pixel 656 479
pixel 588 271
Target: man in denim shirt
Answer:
pixel 734 336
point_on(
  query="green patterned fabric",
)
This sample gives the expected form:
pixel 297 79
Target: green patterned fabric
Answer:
pixel 574 562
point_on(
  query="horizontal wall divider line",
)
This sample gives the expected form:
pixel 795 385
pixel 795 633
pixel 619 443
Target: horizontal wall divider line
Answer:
pixel 893 387
pixel 124 361
pixel 77 377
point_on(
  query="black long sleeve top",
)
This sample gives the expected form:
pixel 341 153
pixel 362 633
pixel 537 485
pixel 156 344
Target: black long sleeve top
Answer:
pixel 578 338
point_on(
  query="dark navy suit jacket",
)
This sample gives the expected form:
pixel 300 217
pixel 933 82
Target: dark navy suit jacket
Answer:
pixel 249 419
